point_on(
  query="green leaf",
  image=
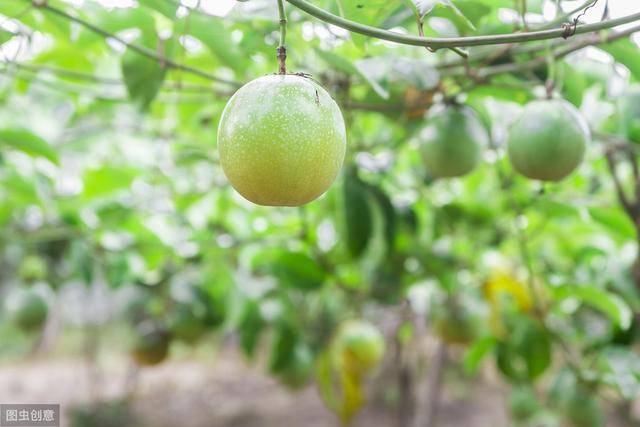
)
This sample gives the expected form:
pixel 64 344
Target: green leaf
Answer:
pixel 625 52
pixel 446 9
pixel 250 328
pixel 107 180
pixel 364 69
pixel 608 303
pixel 28 142
pixel 476 353
pixel 358 216
pixel 120 19
pixel 370 12
pixel 298 270
pixel 116 269
pixel 388 214
pixel 212 31
pixel 144 76
pixel 283 348
pixel 82 261
pixel 166 7
pixel 613 219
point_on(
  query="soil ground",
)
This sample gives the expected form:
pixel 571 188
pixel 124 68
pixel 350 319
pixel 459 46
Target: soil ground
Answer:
pixel 192 391
pixel 224 393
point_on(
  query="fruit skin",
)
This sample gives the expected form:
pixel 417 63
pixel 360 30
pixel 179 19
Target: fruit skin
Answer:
pixel 451 142
pixel 151 346
pixel 629 107
pixel 28 310
pixel 360 344
pixel 548 141
pixel 583 409
pixel 281 140
pixel 185 325
pixel 522 403
pixel 33 268
pixel 455 326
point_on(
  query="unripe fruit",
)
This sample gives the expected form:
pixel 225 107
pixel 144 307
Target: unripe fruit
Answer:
pixel 451 142
pixel 360 344
pixel 33 268
pixel 185 325
pixel 630 113
pixel 151 345
pixel 281 140
pixel 583 409
pixel 454 325
pixel 548 141
pixel 27 310
pixel 522 403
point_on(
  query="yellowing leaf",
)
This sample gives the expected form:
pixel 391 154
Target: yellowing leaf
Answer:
pixel 501 287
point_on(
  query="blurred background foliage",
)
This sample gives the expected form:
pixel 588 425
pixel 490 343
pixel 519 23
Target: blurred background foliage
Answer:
pixel 114 209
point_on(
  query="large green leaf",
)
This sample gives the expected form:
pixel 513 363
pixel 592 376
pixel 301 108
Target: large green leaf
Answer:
pixel 476 353
pixel 361 70
pixel 614 220
pixel 108 179
pixel 298 270
pixel 358 216
pixel 144 76
pixel 610 304
pixel 26 141
pixel 216 36
pixel 625 52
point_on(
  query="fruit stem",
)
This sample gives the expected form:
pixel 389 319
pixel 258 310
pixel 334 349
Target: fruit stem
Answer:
pixel 282 49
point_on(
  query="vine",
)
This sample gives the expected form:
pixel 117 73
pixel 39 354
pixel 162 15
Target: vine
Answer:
pixel 455 42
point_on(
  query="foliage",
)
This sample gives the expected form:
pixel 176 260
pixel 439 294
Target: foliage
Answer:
pixel 110 177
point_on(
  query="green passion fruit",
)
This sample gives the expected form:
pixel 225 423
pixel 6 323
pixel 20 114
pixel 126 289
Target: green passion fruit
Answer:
pixel 281 140
pixel 360 344
pixel 548 141
pixel 27 309
pixel 186 325
pixel 451 142
pixel 583 409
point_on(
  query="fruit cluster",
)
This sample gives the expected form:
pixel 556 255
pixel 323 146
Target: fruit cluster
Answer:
pixel 282 140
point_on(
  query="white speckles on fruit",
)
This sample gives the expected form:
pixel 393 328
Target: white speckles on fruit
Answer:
pixel 548 141
pixel 452 140
pixel 281 140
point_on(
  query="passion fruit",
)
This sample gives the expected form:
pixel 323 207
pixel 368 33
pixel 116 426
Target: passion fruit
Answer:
pixel 151 345
pixel 548 141
pixel 360 345
pixel 186 325
pixel 27 309
pixel 451 142
pixel 281 140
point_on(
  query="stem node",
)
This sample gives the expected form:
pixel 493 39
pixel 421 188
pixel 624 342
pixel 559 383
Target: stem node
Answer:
pixel 282 59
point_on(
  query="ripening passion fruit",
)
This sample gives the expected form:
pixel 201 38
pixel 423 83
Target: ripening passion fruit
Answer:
pixel 360 344
pixel 151 345
pixel 451 142
pixel 281 140
pixel 548 141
